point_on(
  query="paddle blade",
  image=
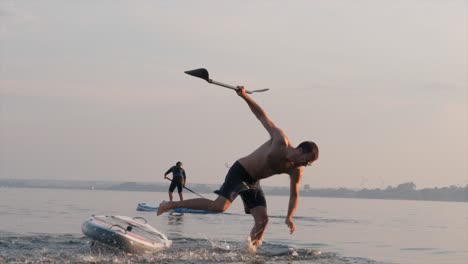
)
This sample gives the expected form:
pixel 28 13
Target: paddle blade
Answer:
pixel 200 73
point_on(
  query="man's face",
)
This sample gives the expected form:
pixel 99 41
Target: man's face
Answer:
pixel 305 159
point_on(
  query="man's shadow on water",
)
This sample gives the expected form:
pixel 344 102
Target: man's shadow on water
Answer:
pixel 176 221
pixel 175 218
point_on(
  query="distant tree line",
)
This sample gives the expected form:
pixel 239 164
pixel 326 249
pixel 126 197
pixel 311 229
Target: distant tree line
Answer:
pixel 404 191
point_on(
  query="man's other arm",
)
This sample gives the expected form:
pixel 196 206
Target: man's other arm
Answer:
pixel 295 180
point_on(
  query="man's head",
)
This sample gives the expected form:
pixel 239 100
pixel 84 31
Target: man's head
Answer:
pixel 309 152
pixel 179 164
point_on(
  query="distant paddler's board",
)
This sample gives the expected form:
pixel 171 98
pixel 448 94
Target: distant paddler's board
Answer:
pixel 149 208
pixel 133 235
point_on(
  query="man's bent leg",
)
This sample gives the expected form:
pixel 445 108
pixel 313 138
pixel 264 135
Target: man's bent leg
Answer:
pixel 260 216
pixel 181 196
pixel 220 205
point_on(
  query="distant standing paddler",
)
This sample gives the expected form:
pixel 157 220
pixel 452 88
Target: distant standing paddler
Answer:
pixel 178 179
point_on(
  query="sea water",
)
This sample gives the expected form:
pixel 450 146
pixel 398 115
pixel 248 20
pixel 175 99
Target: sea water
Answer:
pixel 44 225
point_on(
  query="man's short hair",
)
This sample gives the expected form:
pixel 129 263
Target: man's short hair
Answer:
pixel 178 163
pixel 309 146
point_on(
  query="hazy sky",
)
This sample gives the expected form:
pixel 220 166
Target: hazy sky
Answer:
pixel 95 90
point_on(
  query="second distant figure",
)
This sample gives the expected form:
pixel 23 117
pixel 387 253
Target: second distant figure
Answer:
pixel 178 179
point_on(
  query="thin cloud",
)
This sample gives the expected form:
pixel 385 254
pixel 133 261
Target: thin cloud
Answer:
pixel 14 19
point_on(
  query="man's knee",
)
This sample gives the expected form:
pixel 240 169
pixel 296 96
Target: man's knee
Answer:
pixel 262 220
pixel 221 204
pixel 260 216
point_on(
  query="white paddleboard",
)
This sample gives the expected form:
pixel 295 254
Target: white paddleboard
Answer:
pixel 132 235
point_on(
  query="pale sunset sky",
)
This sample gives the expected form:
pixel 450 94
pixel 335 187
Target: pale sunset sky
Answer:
pixel 95 90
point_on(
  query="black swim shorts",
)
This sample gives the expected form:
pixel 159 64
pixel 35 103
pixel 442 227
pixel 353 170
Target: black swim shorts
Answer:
pixel 238 181
pixel 176 182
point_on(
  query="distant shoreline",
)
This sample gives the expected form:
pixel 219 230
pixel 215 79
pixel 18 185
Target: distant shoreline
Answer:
pixel 404 191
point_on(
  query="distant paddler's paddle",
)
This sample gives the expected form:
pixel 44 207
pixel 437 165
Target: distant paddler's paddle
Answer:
pixel 202 73
pixel 186 188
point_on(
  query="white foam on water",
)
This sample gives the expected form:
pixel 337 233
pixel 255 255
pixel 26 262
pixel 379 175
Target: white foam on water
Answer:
pixel 223 245
pixel 249 247
pixel 78 249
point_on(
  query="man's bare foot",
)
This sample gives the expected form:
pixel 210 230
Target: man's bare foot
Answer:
pixel 251 246
pixel 163 207
pixel 256 243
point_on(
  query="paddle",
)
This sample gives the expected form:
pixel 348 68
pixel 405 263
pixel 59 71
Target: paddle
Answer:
pixel 202 73
pixel 187 188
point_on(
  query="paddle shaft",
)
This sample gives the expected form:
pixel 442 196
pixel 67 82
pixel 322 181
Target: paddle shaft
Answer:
pixel 187 189
pixel 235 87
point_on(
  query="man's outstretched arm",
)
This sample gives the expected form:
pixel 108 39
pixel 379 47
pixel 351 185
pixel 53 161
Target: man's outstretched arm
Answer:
pixel 259 113
pixel 295 178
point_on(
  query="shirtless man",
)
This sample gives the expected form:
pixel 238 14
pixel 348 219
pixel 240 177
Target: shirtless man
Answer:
pixel 276 156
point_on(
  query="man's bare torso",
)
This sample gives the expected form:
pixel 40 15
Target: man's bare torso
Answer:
pixel 269 159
